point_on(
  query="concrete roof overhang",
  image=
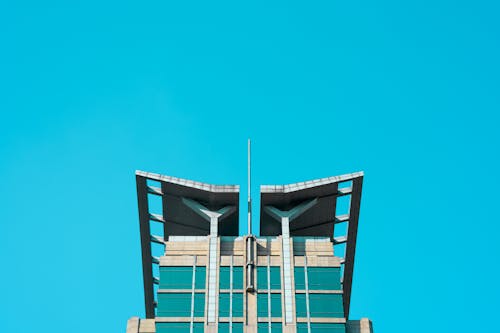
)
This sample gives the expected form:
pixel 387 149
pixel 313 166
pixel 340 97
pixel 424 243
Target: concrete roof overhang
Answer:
pixel 320 218
pixel 177 218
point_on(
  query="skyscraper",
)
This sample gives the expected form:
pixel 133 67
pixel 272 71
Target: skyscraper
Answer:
pixel 296 276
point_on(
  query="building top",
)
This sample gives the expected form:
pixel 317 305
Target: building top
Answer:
pixel 320 218
pixel 180 220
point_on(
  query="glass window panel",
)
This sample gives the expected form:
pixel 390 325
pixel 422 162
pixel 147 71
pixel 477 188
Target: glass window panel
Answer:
pixel 276 328
pixel 299 278
pixel 174 305
pixel 200 278
pixel 237 278
pixel 198 327
pixel 262 305
pixel 262 277
pixel 237 305
pixel 199 305
pixel 275 277
pixel 224 305
pixel 262 328
pixel 300 305
pixel 326 305
pixel 323 278
pixel 224 277
pixel 172 327
pixel 176 277
pixel 276 305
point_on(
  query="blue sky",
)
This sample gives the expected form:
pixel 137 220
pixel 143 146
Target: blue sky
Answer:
pixel 406 92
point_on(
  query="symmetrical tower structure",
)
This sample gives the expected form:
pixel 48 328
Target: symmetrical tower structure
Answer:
pixel 296 276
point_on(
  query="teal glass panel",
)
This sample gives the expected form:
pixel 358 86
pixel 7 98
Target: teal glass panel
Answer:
pixel 276 328
pixel 299 277
pixel 264 328
pixel 262 277
pixel 176 277
pixel 321 328
pixel 300 305
pixel 173 327
pixel 200 278
pixel 174 305
pixel 262 305
pixel 224 305
pixel 198 327
pixel 199 305
pixel 302 328
pixel 326 305
pixel 275 277
pixel 276 305
pixel 224 328
pixel 224 277
pixel 237 305
pixel 237 278
pixel 323 278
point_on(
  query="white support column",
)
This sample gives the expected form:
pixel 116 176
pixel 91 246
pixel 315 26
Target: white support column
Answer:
pixel 191 326
pixel 231 294
pixel 269 293
pixel 306 285
pixel 213 217
pixel 285 217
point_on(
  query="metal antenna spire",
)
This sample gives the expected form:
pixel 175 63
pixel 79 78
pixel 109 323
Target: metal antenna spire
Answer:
pixel 249 194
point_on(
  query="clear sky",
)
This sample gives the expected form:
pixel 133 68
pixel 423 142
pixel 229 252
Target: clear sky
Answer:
pixel 408 92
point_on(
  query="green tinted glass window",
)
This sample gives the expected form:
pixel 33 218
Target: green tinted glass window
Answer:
pixel 176 277
pixel 323 278
pixel 224 278
pixel 174 305
pixel 300 305
pixel 321 328
pixel 276 305
pixel 262 277
pixel 199 305
pixel 264 328
pixel 172 327
pixel 262 305
pixel 200 278
pixel 275 277
pixel 224 328
pixel 276 328
pixel 237 278
pixel 237 305
pixel 224 305
pixel 299 277
pixel 326 305
pixel 198 327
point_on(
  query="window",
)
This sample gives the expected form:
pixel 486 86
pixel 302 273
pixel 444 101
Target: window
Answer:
pixel 176 277
pixel 262 305
pixel 224 328
pixel 225 278
pixel 224 305
pixel 323 278
pixel 274 275
pixel 321 328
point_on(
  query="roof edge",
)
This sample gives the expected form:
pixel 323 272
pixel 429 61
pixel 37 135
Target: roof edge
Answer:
pixel 189 183
pixel 310 183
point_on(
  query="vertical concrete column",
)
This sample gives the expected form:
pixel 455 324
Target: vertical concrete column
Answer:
pixel 213 217
pixel 285 218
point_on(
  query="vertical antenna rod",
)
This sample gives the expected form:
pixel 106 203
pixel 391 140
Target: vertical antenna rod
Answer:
pixel 249 194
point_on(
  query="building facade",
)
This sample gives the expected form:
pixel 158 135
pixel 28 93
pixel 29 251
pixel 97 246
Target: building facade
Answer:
pixel 201 275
